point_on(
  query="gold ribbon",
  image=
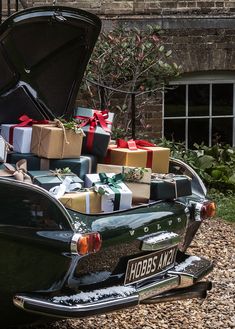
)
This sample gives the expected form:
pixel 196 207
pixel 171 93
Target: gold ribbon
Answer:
pixel 19 172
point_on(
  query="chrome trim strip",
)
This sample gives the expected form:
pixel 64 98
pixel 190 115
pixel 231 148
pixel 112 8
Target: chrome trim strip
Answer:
pixel 73 244
pixel 172 240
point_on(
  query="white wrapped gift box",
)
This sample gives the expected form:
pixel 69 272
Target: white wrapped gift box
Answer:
pixel 110 200
pixel 21 137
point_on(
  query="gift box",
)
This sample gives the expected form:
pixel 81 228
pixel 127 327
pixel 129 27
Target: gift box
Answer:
pixel 137 179
pixel 84 165
pixel 4 148
pixel 48 179
pixel 87 112
pixel 56 142
pixel 140 154
pixel 86 202
pixel 170 186
pixel 21 137
pixel 115 194
pixel 33 161
pixel 96 126
pixel 5 132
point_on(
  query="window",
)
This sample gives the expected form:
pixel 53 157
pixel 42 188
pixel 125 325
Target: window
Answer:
pixel 200 110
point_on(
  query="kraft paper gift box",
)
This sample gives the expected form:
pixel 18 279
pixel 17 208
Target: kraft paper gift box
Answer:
pixel 21 137
pixel 114 197
pixel 137 179
pixel 170 186
pixel 47 179
pixel 97 130
pixel 159 161
pixel 86 202
pixel 52 142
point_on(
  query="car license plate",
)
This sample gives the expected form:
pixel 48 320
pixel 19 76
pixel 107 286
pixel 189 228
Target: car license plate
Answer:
pixel 149 265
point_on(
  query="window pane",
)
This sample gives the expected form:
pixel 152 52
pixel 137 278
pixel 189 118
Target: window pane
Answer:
pixel 222 130
pixel 198 131
pixel 222 99
pixel 175 130
pixel 175 102
pixel 198 100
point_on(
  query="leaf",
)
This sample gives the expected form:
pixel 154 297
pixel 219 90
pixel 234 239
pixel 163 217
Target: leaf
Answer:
pixel 205 161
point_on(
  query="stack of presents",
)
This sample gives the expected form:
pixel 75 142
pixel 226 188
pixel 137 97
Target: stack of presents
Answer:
pixel 79 165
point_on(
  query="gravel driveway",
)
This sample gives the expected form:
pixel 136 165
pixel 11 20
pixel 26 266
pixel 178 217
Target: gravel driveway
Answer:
pixel 216 240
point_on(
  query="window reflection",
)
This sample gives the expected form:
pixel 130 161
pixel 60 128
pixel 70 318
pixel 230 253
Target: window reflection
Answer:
pixel 175 130
pixel 198 100
pixel 198 131
pixel 175 101
pixel 222 129
pixel 26 207
pixel 222 99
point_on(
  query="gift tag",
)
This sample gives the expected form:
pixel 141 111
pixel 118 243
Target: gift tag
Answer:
pixel 132 145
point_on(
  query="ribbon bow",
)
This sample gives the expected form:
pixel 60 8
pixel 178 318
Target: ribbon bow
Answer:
pixel 19 172
pixel 25 121
pixel 67 186
pixel 99 117
pixel 113 182
pixel 138 144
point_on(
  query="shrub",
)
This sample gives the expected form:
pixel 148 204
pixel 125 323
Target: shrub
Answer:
pixel 215 165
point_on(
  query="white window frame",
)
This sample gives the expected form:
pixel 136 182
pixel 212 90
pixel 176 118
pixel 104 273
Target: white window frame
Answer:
pixel 209 80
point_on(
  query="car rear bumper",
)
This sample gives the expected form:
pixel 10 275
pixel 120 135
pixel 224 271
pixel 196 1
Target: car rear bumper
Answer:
pixel 186 274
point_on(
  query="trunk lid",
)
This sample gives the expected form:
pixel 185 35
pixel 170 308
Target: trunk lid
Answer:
pixel 44 52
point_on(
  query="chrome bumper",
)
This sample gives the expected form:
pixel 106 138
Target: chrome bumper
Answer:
pixel 185 274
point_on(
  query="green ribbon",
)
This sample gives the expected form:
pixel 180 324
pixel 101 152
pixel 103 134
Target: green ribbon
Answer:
pixel 113 183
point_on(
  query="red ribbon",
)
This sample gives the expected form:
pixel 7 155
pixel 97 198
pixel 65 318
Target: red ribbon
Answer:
pixel 99 117
pixel 138 144
pixel 25 121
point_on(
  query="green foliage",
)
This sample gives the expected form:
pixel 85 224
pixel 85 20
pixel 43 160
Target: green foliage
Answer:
pixel 225 204
pixel 131 61
pixel 215 165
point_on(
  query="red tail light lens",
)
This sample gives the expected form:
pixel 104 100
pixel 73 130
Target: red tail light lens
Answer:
pixel 208 210
pixel 84 244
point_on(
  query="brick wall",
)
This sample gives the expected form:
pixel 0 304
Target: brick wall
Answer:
pixel 136 7
pixel 200 33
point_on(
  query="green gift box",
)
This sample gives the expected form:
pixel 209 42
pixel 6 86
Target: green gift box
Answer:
pixel 48 179
pixel 169 186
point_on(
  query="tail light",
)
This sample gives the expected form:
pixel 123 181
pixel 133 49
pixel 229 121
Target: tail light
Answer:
pixel 208 209
pixel 83 244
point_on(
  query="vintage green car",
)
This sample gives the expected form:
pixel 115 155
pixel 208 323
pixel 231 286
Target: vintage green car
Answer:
pixel 58 263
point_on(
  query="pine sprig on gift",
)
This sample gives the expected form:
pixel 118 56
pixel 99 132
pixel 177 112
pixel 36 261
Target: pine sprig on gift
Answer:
pixel 134 174
pixel 65 170
pixel 70 125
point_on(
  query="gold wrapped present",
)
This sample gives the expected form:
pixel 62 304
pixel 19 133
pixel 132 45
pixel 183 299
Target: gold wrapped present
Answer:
pixel 136 178
pixel 86 202
pixel 55 142
pixel 154 157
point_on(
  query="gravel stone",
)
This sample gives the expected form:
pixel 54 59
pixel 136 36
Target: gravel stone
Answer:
pixel 216 241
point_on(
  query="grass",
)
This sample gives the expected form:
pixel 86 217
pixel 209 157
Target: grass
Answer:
pixel 225 205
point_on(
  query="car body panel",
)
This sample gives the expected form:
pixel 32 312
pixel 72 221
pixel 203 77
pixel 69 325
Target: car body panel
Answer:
pixel 43 55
